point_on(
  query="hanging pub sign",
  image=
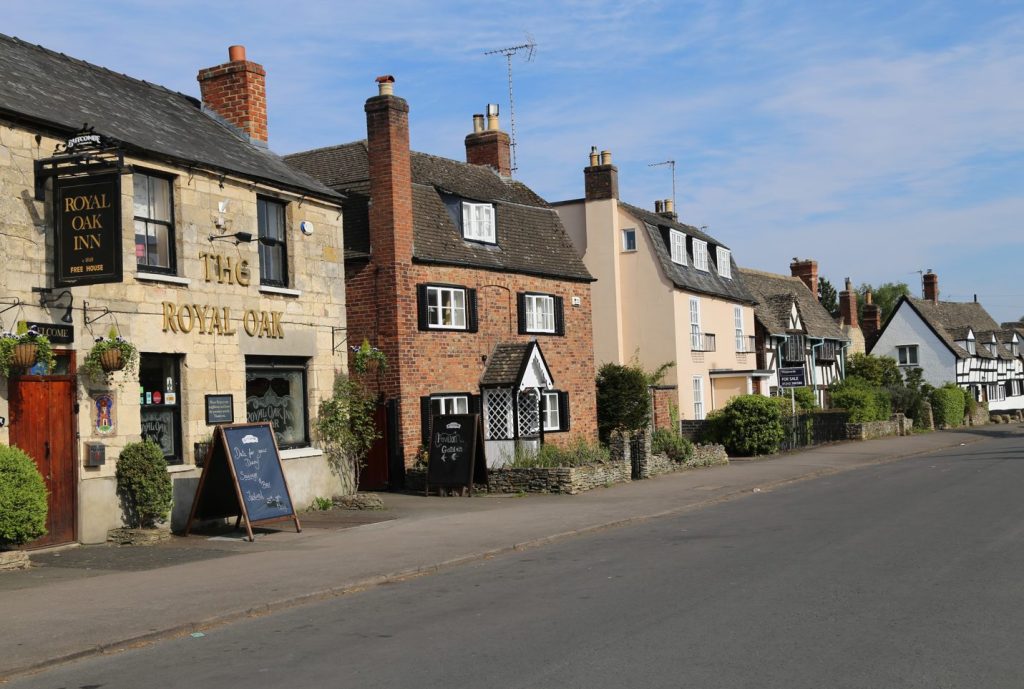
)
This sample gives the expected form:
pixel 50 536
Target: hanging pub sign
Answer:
pixel 87 216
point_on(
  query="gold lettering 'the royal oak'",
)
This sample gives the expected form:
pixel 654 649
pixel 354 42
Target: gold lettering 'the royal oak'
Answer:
pixel 85 202
pixel 207 320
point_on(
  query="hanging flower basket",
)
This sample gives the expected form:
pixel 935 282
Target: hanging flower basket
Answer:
pixel 111 360
pixel 24 355
pixel 109 354
pixel 23 350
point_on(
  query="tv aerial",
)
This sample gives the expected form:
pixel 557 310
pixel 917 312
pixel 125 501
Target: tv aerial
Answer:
pixel 530 48
pixel 672 164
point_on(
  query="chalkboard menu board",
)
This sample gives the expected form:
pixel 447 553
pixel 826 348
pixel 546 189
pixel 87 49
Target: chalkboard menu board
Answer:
pixel 243 478
pixel 456 451
pixel 220 409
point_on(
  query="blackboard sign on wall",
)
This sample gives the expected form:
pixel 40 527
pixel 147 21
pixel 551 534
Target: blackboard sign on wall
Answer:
pixel 456 456
pixel 243 478
pixel 220 409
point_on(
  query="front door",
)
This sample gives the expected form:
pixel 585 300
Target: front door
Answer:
pixel 43 425
pixel 374 475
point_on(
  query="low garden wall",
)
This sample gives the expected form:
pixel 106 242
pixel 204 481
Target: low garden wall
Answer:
pixel 703 456
pixel 899 424
pixel 564 480
pixel 1009 416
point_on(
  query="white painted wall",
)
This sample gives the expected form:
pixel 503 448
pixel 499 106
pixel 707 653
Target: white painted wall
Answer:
pixel 934 358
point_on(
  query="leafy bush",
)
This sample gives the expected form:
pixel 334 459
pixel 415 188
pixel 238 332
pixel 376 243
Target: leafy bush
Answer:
pixel 143 484
pixel 346 429
pixel 712 432
pixel 806 400
pixel 665 441
pixel 879 371
pixel 579 453
pixel 22 498
pixel 623 403
pixel 748 425
pixel 863 400
pixel 948 404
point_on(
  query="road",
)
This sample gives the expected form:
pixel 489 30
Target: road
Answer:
pixel 908 574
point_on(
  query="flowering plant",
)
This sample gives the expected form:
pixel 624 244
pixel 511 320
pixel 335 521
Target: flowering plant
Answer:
pixel 24 342
pixel 109 354
pixel 366 356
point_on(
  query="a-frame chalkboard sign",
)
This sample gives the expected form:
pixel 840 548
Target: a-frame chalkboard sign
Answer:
pixel 456 453
pixel 243 478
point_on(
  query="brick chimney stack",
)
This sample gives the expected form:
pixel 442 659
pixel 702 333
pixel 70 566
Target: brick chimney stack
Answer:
pixel 601 178
pixel 490 145
pixel 668 209
pixel 871 322
pixel 848 305
pixel 237 91
pixel 807 271
pixel 931 286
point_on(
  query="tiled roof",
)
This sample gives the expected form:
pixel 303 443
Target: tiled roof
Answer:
pixel 53 91
pixel 687 277
pixel 951 319
pixel 775 295
pixel 530 236
pixel 505 364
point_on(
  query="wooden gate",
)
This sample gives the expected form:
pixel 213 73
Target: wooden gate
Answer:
pixel 43 425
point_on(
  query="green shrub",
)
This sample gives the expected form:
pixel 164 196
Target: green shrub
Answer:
pixel 750 425
pixel 579 453
pixel 143 484
pixel 22 498
pixel 665 441
pixel 879 371
pixel 623 402
pixel 948 404
pixel 970 403
pixel 863 400
pixel 712 432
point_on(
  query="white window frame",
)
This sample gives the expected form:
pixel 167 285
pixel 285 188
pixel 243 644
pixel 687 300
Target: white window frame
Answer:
pixel 741 338
pixel 724 262
pixel 435 314
pixel 552 413
pixel 629 239
pixel 695 335
pixel 677 245
pixel 904 352
pixel 971 347
pixel 996 392
pixel 700 254
pixel 449 404
pixel 698 398
pixel 540 313
pixel 478 222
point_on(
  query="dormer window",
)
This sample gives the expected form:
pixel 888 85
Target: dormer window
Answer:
pixel 678 246
pixel 724 261
pixel 478 222
pixel 700 254
pixel 971 348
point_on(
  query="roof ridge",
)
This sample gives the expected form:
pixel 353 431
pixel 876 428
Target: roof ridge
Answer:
pixel 101 68
pixel 324 149
pixel 765 273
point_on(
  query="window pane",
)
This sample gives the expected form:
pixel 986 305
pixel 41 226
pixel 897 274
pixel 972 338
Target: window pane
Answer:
pixel 140 193
pixel 277 396
pixel 159 414
pixel 160 199
pixel 159 245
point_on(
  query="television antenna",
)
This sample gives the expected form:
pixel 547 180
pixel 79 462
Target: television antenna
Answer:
pixel 530 47
pixel 672 164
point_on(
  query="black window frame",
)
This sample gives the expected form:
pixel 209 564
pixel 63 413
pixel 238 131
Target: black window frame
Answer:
pixel 563 411
pixel 144 407
pixel 422 308
pixel 172 239
pixel 558 307
pixel 426 409
pixel 283 363
pixel 268 243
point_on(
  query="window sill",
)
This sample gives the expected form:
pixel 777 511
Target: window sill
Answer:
pixel 181 468
pixel 158 277
pixel 300 452
pixel 283 291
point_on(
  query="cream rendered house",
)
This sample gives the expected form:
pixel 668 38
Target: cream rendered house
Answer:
pixel 665 291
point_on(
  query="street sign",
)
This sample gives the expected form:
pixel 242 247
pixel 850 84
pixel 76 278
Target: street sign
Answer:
pixel 794 377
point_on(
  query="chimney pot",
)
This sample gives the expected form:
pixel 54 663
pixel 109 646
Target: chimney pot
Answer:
pixel 600 181
pixel 595 157
pixel 385 85
pixel 659 207
pixel 236 53
pixel 606 157
pixel 492 118
pixel 488 145
pixel 670 206
pixel 478 123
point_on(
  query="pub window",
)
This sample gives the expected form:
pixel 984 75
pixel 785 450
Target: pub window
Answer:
pixel 273 248
pixel 159 387
pixel 154 223
pixel 275 391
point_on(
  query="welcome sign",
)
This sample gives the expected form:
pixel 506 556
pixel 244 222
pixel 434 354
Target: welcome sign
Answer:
pixel 87 214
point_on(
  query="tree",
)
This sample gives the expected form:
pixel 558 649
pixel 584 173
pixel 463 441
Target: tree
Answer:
pixel 345 428
pixel 879 371
pixel 884 296
pixel 828 297
pixel 623 402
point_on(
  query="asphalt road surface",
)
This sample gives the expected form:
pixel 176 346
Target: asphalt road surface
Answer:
pixel 909 574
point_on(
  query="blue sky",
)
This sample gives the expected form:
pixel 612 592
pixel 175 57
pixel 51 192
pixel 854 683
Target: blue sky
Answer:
pixel 878 138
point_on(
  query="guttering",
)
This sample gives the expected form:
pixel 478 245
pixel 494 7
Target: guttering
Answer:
pixel 814 369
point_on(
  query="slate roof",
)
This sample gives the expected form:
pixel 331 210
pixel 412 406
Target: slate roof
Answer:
pixel 530 235
pixel 59 93
pixel 505 364
pixel 687 277
pixel 775 295
pixel 950 321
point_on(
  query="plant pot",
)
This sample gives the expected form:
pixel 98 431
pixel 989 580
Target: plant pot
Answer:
pixel 111 360
pixel 24 355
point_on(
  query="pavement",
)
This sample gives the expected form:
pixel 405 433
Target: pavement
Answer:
pixel 90 600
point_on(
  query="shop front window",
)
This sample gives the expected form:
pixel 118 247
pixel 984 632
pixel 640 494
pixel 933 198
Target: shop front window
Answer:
pixel 275 391
pixel 160 412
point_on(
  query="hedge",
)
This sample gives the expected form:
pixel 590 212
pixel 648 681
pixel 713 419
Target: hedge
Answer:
pixel 22 498
pixel 747 425
pixel 948 405
pixel 864 401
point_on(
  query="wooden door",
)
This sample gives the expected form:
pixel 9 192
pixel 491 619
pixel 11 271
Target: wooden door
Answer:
pixel 43 425
pixel 374 475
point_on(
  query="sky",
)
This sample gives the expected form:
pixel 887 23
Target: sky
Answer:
pixel 878 138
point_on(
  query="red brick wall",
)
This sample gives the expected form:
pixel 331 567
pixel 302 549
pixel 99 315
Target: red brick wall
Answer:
pixel 663 401
pixel 431 362
pixel 490 148
pixel 237 92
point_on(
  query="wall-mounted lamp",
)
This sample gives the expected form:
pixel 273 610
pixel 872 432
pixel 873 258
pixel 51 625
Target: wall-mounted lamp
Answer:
pixel 46 300
pixel 242 238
